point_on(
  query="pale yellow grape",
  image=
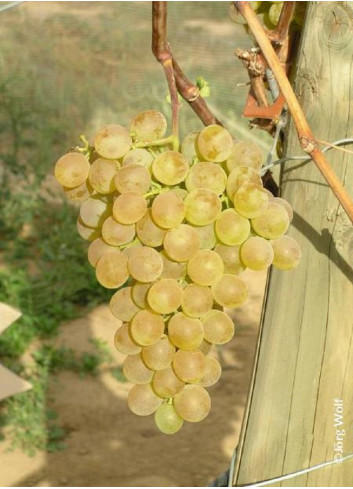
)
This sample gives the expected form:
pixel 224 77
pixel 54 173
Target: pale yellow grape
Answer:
pixel 196 300
pixel 193 403
pixel 101 175
pixel 80 193
pixel 245 153
pixel 96 250
pixel 189 366
pixel 123 341
pixel 88 233
pixel 251 200
pixel 160 355
pixel 231 258
pixel 167 420
pixel 148 232
pixel 286 205
pixel 132 178
pixel 129 208
pixel 287 254
pixel 275 12
pixel 147 328
pixel 181 243
pixel 188 146
pixel 202 207
pixel 139 294
pixel 230 291
pixel 112 141
pixel 205 268
pixel 181 192
pixel 117 234
pixel 111 269
pixel 256 253
pixel 145 264
pixel 170 168
pixel 185 332
pixel 272 223
pixel 122 305
pixel 138 156
pixel 168 210
pixel 241 175
pixel 207 236
pixel 72 169
pixel 214 143
pixel 172 269
pixel 136 371
pixel 166 384
pixel 205 347
pixel 218 327
pixel 165 296
pixel 206 175
pixel 128 249
pixel 231 228
pixel 148 125
pixel 142 400
pixel 94 211
pixel 213 372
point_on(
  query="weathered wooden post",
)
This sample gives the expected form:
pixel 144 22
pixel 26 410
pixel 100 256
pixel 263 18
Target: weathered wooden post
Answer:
pixel 302 386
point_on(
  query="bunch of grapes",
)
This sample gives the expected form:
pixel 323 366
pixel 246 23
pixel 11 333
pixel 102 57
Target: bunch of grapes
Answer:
pixel 172 232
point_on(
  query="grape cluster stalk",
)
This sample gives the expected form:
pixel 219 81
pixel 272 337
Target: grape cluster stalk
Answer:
pixel 172 232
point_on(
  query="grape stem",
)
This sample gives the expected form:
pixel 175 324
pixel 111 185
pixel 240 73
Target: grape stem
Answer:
pixel 305 135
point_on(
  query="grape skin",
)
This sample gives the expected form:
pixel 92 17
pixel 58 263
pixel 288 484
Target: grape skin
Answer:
pixel 136 371
pixel 71 170
pixel 245 153
pixel 272 223
pixel 112 141
pixel 189 366
pixel 250 200
pixel 148 232
pixel 256 253
pixel 170 168
pixel 213 372
pixel 206 175
pixel 101 175
pixel 185 332
pixel 196 300
pixel 129 208
pixel 193 403
pixel 202 207
pixel 231 228
pixel 132 178
pixel 94 211
pixel 117 234
pixel 181 243
pixel 122 306
pixel 142 400
pixel 168 210
pixel 159 355
pixel 147 328
pixel 148 125
pixel 96 250
pixel 287 254
pixel 205 268
pixel 167 419
pixel 165 296
pixel 218 327
pixel 123 341
pixel 230 291
pixel 111 269
pixel 145 264
pixel 214 143
pixel 166 384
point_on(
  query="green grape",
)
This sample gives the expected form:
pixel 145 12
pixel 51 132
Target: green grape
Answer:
pixel 139 294
pixel 71 170
pixel 117 234
pixel 94 211
pixel 231 259
pixel 147 328
pixel 299 12
pixel 218 327
pixel 245 153
pixel 168 210
pixel 172 269
pixel 206 175
pixel 241 175
pixel 205 268
pixel 185 332
pixel 205 347
pixel 181 243
pixel 145 264
pixel 202 207
pixel 136 371
pixel 272 223
pixel 132 178
pixel 170 168
pixel 129 208
pixel 213 372
pixel 90 234
pixel 188 146
pixel 214 143
pixel 165 296
pixel 138 156
pixel 124 343
pixel 196 301
pixel 101 175
pixel 148 232
pixel 148 125
pixel 122 305
pixel 111 269
pixel 142 400
pixel 112 141
pixel 160 355
pixel 96 250
pixel 250 200
pixel 256 253
pixel 286 205
pixel 287 254
pixel 207 236
pixel 231 228
pixel 189 366
pixel 230 291
pixel 166 384
pixel 193 403
pixel 167 420
pixel 80 193
pixel 275 12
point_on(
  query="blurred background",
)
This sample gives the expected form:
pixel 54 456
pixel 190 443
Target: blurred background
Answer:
pixel 66 68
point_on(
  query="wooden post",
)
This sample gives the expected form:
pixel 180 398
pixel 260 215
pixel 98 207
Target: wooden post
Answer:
pixel 304 363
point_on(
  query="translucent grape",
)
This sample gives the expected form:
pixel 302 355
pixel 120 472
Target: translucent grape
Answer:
pixel 170 168
pixel 206 175
pixel 132 178
pixel 138 156
pixel 245 153
pixel 148 125
pixel 122 306
pixel 218 327
pixel 188 146
pixel 101 175
pixel 80 193
pixel 94 211
pixel 111 269
pixel 124 343
pixel 231 258
pixel 136 371
pixel 147 328
pixel 230 291
pixel 181 243
pixel 185 332
pixel 129 248
pixel 287 254
pixel 166 383
pixel 193 403
pixel 205 347
pixel 142 400
pixel 148 232
pixel 168 210
pixel 165 296
pixel 272 223
pixel 160 355
pixel 112 141
pixel 129 208
pixel 71 170
pixel 241 175
pixel 139 294
pixel 145 264
pixel 213 372
pixel 88 233
pixel 250 200
pixel 231 228
pixel 202 206
pixel 167 419
pixel 286 205
pixel 207 236
pixel 196 300
pixel 172 269
pixel 275 12
pixel 117 234
pixel 205 268
pixel 189 366
pixel 214 143
pixel 256 253
pixel 96 250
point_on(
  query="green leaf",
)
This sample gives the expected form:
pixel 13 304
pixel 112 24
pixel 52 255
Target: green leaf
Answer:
pixel 203 86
